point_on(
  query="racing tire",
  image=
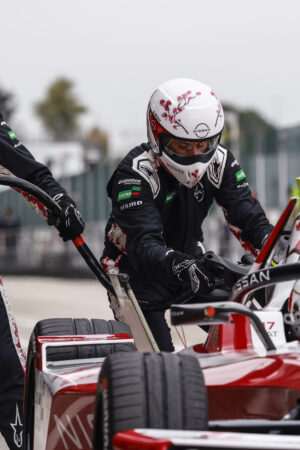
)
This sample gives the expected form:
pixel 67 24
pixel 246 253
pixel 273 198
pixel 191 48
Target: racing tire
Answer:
pixel 64 327
pixel 148 390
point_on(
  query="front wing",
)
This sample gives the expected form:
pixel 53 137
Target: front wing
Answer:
pixel 151 439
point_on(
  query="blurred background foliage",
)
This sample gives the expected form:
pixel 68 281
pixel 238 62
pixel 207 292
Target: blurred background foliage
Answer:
pixel 60 110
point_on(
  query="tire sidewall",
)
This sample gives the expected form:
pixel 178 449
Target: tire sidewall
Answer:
pixel 103 414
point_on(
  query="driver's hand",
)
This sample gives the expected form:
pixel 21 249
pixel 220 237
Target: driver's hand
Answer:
pixel 192 272
pixel 69 223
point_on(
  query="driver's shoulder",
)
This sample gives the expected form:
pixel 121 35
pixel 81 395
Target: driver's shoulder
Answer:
pixel 218 166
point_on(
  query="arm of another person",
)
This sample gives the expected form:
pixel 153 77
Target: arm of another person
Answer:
pixel 17 160
pixel 244 214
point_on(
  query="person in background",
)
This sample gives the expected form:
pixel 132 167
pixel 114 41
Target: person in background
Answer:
pixel 161 193
pixel 16 160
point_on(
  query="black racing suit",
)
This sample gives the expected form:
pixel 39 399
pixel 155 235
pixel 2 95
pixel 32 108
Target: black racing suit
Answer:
pixel 153 213
pixel 17 160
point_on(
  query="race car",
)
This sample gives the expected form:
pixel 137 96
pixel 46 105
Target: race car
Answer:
pixel 148 400
pixel 242 390
pixel 88 387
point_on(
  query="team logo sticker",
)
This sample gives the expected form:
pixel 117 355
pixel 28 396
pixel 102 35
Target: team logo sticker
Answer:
pixel 241 186
pixel 12 135
pixel 17 427
pixel 133 204
pixel 143 166
pixel 199 192
pixel 133 192
pixel 240 175
pixel 170 197
pixel 130 181
pixel 202 130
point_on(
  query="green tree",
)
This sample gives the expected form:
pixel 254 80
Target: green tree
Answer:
pixel 60 110
pixel 7 103
pixel 95 143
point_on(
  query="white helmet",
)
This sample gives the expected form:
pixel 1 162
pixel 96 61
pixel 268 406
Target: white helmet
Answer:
pixel 184 110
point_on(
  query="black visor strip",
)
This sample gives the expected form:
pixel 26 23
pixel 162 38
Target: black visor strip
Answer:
pixel 203 158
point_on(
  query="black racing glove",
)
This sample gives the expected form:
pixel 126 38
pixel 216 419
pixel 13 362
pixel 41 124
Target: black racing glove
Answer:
pixel 69 223
pixel 192 272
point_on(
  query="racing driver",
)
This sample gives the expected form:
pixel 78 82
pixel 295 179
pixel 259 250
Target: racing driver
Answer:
pixel 16 160
pixel 162 191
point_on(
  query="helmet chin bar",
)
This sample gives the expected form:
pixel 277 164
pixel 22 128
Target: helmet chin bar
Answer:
pixel 188 175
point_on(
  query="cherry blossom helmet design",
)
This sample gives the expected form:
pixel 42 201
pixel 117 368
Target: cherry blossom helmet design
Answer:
pixel 189 111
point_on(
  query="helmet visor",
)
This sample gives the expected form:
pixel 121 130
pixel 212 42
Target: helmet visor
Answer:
pixel 186 151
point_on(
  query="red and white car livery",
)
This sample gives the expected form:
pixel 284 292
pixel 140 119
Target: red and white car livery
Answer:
pixel 62 401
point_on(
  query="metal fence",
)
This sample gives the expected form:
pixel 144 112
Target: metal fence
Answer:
pixel 40 249
pixel 87 189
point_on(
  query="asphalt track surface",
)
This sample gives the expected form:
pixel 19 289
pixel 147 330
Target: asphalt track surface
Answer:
pixel 36 298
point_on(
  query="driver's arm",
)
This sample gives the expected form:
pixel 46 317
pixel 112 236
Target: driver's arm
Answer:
pixel 137 220
pixel 136 215
pixel 17 160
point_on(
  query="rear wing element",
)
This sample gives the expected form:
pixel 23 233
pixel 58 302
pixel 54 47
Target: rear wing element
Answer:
pixel 46 342
pixel 218 313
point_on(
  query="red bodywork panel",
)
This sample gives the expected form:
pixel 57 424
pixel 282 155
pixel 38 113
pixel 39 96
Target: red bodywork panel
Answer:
pixel 259 387
pixel 65 395
pixel 72 420
pixel 242 382
pixel 235 335
pixel 131 440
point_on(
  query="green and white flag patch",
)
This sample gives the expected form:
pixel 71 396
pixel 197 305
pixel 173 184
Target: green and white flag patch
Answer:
pixel 12 135
pixel 133 192
pixel 240 175
pixel 170 197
